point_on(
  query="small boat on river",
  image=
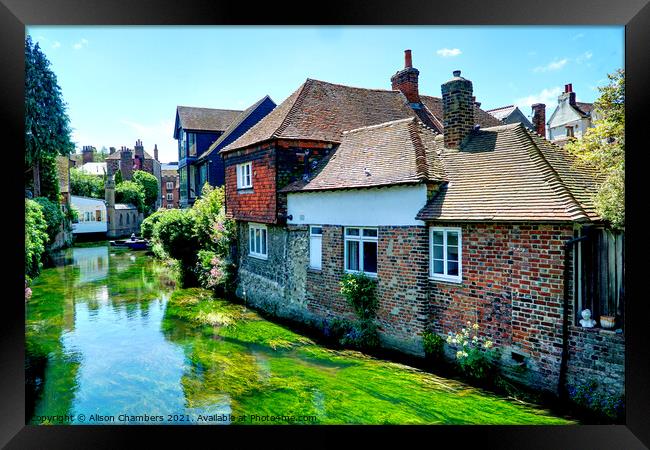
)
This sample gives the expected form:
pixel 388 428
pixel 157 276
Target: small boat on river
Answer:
pixel 133 243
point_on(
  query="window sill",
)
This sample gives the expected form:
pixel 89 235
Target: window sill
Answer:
pixel 368 274
pixel 262 257
pixel 456 281
pixel 314 270
pixel 248 190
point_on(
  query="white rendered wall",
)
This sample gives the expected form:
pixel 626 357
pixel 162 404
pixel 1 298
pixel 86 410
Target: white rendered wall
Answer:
pixel 83 204
pixel 395 205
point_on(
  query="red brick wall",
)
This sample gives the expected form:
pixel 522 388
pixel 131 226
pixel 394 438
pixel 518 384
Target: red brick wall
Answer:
pixel 175 191
pixel 257 204
pixel 513 286
pixel 402 283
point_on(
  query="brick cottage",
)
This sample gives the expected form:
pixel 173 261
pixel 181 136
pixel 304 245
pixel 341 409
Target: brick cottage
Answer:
pixel 458 216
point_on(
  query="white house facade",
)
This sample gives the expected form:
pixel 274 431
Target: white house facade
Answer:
pixel 92 215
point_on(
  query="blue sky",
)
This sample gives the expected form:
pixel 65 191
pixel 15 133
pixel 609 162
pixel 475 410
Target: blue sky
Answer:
pixel 123 83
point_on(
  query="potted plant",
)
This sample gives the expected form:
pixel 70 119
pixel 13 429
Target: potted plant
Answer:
pixel 607 322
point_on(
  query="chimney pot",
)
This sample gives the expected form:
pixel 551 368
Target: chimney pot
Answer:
pixel 456 73
pixel 408 61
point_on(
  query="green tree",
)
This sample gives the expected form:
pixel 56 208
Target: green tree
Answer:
pixel 175 231
pixel 148 224
pixel 603 148
pixel 35 238
pixel 149 185
pixel 86 185
pixel 130 192
pixel 53 216
pixel 47 126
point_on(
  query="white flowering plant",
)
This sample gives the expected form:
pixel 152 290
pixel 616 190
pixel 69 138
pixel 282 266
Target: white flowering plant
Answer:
pixel 475 354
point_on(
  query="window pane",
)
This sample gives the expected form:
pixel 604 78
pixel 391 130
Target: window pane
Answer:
pixel 263 241
pixel 251 240
pixel 315 252
pixel 370 233
pixel 438 267
pixel 370 257
pixel 452 253
pixel 352 231
pixel 452 268
pixel 257 240
pixel 437 252
pixel 437 237
pixel 316 230
pixel 452 238
pixel 352 262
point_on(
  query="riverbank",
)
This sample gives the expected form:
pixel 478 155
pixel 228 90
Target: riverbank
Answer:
pixel 113 337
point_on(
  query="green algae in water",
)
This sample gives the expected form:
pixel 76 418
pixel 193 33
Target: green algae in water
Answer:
pixel 107 333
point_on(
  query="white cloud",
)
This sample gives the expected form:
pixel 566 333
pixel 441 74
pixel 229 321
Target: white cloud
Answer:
pixel 56 44
pixel 447 52
pixel 584 57
pixel 553 65
pixel 81 44
pixel 548 96
pixel 578 36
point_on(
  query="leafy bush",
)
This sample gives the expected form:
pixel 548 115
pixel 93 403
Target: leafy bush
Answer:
pixel 35 237
pixel 130 192
pixel 86 185
pixel 53 216
pixel 359 290
pixel 149 185
pixel 148 224
pixel 174 231
pixel 433 345
pixel 587 395
pixel 475 356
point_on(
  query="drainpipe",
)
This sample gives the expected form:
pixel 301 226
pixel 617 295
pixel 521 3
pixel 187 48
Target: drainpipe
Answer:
pixel 561 387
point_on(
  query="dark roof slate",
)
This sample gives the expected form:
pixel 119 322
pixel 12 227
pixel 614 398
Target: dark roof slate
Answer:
pixel 205 119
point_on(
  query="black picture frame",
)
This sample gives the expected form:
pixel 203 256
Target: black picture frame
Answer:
pixel 634 14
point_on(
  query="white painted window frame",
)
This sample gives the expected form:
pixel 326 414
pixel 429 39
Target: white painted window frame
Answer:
pixel 170 185
pixel 245 180
pixel 252 231
pixel 170 196
pixel 313 236
pixel 360 239
pixel 444 277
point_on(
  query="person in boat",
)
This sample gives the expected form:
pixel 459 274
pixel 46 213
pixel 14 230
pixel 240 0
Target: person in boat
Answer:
pixel 133 236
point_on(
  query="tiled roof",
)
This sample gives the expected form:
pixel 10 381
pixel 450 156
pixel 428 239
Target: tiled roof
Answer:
pixel 502 112
pixel 205 119
pixel 321 111
pixel 379 155
pixel 508 173
pixel 434 104
pixel 585 108
pixel 232 127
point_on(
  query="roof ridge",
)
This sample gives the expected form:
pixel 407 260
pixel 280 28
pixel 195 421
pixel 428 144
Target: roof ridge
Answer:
pixel 421 166
pixel 212 109
pixel 379 125
pixel 554 174
pixel 352 87
pixel 500 107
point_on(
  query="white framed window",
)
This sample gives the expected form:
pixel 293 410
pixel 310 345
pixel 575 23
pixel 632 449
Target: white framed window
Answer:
pixel 316 247
pixel 170 185
pixel 360 250
pixel 244 175
pixel 445 254
pixel 257 241
pixel 170 206
pixel 170 196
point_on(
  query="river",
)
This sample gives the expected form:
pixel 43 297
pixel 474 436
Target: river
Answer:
pixel 111 340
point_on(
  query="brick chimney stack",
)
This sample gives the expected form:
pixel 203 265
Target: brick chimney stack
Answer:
pixel 539 118
pixel 568 94
pixel 458 110
pixel 155 152
pixel 111 150
pixel 126 164
pixel 406 80
pixel 87 154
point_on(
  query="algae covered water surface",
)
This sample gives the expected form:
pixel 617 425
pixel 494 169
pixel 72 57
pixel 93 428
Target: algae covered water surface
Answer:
pixel 110 340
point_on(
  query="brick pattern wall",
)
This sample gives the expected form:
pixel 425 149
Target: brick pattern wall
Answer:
pixel 402 284
pixel 513 287
pixel 257 204
pixel 406 81
pixel 458 110
pixel 175 191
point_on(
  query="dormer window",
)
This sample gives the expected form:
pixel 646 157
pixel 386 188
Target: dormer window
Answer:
pixel 245 175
